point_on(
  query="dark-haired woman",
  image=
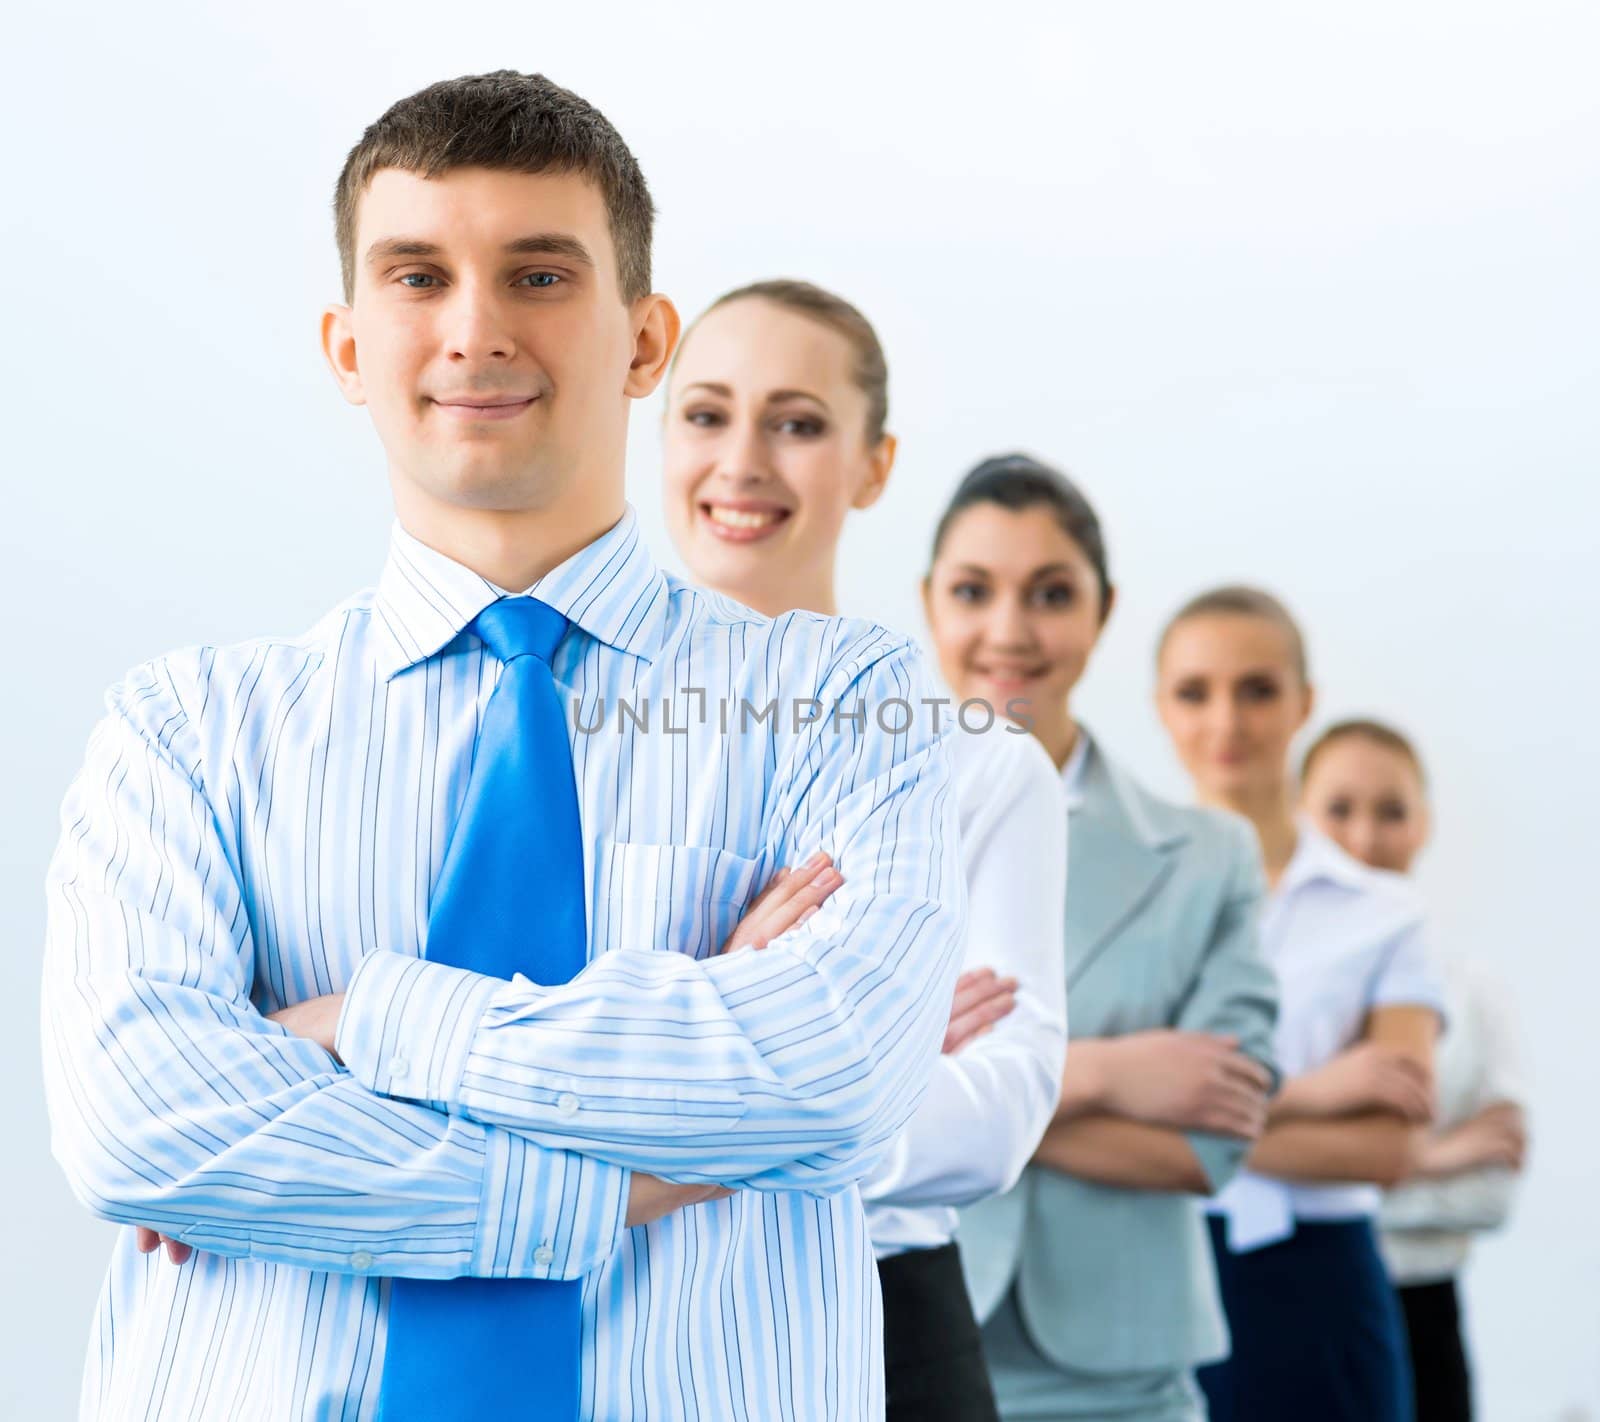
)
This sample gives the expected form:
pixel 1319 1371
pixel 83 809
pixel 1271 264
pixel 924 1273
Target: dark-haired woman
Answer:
pixel 774 432
pixel 1316 1331
pixel 1093 1274
pixel 1362 784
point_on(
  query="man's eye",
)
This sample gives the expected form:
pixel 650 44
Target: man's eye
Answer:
pixel 541 280
pixel 416 277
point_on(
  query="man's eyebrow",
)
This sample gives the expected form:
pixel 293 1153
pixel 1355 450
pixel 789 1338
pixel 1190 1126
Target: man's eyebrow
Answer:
pixel 551 244
pixel 400 247
pixel 541 244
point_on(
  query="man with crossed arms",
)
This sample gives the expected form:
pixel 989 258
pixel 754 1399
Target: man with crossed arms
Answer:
pixel 393 991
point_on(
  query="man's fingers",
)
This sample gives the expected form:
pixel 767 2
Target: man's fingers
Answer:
pixel 789 882
pixel 802 890
pixel 147 1241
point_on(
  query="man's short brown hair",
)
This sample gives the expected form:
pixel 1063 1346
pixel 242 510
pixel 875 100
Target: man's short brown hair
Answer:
pixel 518 123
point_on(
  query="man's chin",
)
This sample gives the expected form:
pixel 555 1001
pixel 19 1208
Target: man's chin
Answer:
pixel 491 488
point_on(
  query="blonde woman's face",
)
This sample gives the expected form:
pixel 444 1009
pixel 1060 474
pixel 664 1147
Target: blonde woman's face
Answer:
pixel 765 450
pixel 1232 699
pixel 1369 798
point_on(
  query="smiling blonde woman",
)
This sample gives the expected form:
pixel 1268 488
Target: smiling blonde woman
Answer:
pixel 775 432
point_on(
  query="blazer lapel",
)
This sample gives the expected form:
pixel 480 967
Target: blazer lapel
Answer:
pixel 1116 863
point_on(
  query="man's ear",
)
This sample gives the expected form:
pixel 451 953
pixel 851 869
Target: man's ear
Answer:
pixel 655 336
pixel 879 464
pixel 339 350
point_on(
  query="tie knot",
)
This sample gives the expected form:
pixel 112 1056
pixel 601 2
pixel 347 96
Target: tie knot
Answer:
pixel 520 627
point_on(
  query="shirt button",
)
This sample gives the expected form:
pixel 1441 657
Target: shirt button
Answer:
pixel 543 1255
pixel 361 1259
pixel 568 1104
pixel 398 1066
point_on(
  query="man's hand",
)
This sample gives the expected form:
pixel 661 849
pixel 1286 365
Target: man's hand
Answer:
pixel 1370 1076
pixel 649 1198
pixel 982 999
pixel 1193 1081
pixel 789 899
pixel 316 1019
pixel 149 1239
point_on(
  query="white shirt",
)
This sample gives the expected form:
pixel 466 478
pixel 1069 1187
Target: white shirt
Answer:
pixel 1428 1225
pixel 1343 939
pixel 1072 772
pixel 988 1104
pixel 258 824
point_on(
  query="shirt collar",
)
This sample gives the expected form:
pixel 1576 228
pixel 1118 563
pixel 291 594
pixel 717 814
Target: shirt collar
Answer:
pixel 1072 771
pixel 610 589
pixel 1318 857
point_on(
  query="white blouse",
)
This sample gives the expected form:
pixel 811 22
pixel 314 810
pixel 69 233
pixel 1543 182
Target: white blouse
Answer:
pixel 987 1105
pixel 1428 1225
pixel 1343 939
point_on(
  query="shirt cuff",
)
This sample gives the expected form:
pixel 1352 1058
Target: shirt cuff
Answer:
pixel 1220 1157
pixel 546 1214
pixel 407 1025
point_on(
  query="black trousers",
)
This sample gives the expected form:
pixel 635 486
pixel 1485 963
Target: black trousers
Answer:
pixel 1439 1371
pixel 932 1355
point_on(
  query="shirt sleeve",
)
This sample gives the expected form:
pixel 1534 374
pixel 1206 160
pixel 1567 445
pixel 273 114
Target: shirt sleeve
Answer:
pixel 788 1067
pixel 1406 975
pixel 175 1104
pixel 1472 1202
pixel 1235 992
pixel 988 1104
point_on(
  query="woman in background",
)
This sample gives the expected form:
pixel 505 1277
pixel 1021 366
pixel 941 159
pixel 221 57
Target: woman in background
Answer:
pixel 1316 1329
pixel 775 431
pixel 1094 1275
pixel 1362 784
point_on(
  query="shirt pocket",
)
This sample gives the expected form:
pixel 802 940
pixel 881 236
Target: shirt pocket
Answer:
pixel 683 898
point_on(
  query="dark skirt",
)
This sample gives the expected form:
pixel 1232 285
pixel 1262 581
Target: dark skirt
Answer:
pixel 1317 1332
pixel 1442 1379
pixel 932 1355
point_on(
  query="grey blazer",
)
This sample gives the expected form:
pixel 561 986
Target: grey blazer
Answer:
pixel 1162 903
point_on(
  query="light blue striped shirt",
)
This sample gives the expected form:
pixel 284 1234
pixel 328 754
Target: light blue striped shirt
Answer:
pixel 262 823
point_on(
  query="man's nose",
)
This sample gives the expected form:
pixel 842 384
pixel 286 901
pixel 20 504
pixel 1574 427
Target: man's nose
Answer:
pixel 476 328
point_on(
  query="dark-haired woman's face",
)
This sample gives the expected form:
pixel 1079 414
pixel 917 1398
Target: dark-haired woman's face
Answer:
pixel 1232 699
pixel 1013 604
pixel 1369 798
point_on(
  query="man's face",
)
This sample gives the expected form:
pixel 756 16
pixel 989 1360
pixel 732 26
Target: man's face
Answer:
pixel 488 337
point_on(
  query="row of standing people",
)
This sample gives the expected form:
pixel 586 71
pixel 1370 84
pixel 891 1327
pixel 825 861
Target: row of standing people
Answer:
pixel 1175 1218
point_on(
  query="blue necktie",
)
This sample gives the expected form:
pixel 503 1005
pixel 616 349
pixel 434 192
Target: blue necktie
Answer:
pixel 509 900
